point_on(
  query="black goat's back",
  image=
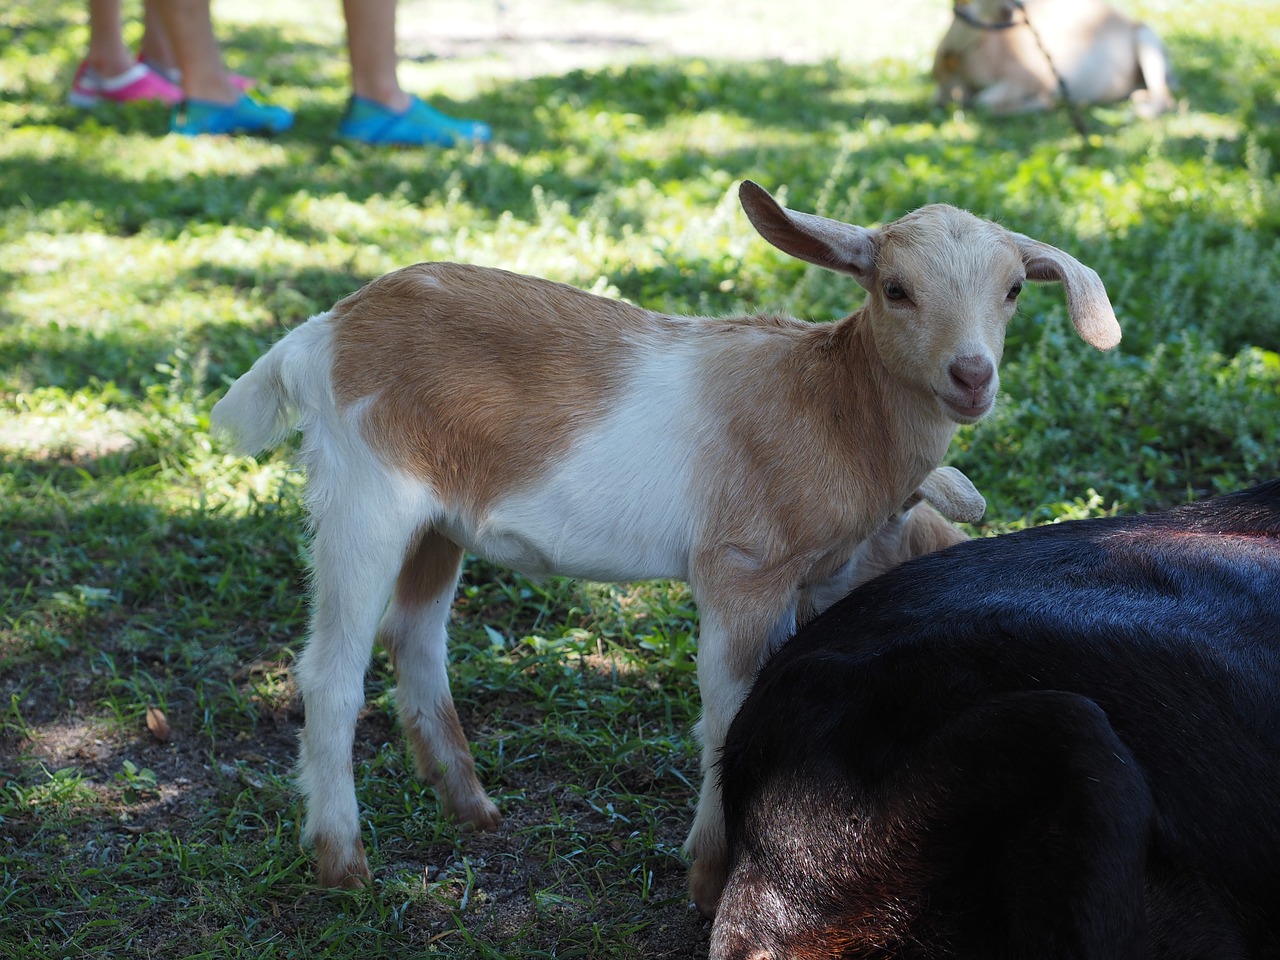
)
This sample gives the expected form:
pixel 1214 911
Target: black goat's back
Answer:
pixel 934 745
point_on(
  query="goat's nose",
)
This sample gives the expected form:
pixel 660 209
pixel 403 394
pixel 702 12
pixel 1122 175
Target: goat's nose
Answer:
pixel 975 373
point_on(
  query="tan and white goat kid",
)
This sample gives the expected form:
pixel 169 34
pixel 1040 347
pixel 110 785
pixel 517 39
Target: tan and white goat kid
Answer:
pixel 447 407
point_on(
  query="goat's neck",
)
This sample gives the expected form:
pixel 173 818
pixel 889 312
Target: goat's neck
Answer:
pixel 903 429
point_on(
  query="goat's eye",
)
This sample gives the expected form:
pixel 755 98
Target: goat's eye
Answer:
pixel 1015 290
pixel 894 291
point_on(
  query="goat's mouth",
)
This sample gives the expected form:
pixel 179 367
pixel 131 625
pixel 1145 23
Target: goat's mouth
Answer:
pixel 966 409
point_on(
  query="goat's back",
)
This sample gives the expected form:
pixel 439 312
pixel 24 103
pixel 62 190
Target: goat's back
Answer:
pixel 1170 622
pixel 1166 627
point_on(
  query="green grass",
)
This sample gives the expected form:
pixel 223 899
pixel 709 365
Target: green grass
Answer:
pixel 141 567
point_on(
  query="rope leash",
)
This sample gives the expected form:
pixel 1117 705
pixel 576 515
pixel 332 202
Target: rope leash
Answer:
pixel 1073 108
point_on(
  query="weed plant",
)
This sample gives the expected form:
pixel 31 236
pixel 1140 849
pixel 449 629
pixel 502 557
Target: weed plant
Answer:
pixel 145 572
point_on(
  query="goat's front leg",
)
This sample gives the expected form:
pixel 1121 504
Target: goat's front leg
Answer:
pixel 355 555
pixel 816 597
pixel 735 635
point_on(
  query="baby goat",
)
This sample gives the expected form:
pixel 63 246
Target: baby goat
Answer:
pixel 447 407
pixel 1063 742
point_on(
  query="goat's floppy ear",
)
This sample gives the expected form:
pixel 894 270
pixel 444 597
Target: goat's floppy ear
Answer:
pixel 1087 301
pixel 828 243
pixel 953 495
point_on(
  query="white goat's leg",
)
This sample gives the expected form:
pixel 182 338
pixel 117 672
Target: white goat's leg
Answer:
pixel 731 647
pixel 415 634
pixel 356 551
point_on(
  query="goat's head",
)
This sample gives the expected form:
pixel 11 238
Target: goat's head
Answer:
pixel 943 285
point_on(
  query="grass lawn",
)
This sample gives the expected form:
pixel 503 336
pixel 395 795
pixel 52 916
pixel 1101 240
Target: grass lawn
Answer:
pixel 152 587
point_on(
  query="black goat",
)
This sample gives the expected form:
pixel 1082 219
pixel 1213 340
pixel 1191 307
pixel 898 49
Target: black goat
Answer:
pixel 1063 742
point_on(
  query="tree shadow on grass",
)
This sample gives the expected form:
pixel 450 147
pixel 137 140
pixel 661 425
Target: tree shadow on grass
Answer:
pixel 90 561
pixel 115 603
pixel 544 115
pixel 778 96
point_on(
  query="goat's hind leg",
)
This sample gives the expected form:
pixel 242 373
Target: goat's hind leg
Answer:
pixel 1059 815
pixel 414 631
pixel 356 549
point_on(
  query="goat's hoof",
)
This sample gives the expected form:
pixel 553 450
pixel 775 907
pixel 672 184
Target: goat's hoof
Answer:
pixel 707 878
pixel 480 815
pixel 342 872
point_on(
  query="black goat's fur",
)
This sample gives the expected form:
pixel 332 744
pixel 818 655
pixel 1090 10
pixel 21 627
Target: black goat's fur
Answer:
pixel 1062 742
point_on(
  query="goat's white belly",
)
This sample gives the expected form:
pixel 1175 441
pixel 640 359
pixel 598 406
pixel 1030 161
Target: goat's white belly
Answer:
pixel 579 541
pixel 618 506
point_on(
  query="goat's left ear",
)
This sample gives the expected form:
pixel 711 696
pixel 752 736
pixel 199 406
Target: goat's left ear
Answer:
pixel 1087 301
pixel 833 244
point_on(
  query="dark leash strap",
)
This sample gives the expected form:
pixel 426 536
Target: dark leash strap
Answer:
pixel 1073 109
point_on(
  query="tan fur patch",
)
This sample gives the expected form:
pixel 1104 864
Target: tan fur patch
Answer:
pixel 794 494
pixel 928 531
pixel 837 441
pixel 480 378
pixel 430 570
pixel 424 754
pixel 347 873
pixel 454 779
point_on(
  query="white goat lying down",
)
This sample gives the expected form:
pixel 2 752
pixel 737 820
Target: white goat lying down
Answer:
pixel 990 56
pixel 447 407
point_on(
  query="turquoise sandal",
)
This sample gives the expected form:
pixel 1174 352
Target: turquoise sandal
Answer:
pixel 367 121
pixel 195 117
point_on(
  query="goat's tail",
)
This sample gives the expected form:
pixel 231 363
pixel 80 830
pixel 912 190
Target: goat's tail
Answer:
pixel 286 386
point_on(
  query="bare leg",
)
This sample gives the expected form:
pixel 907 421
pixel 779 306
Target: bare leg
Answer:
pixel 107 54
pixel 109 70
pixel 371 44
pixel 155 50
pixel 381 111
pixel 189 27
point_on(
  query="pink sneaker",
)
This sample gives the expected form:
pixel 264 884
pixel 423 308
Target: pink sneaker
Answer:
pixel 138 83
pixel 174 75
